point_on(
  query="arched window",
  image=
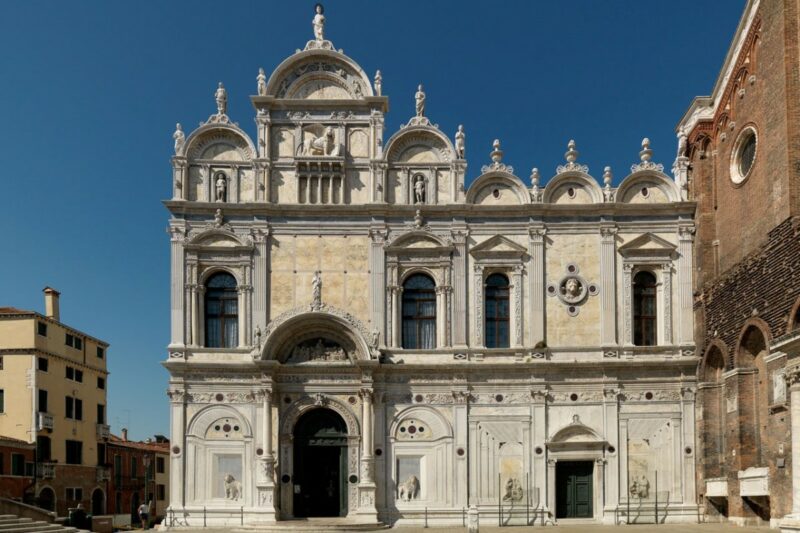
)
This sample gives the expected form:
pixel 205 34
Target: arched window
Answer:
pixel 222 313
pixel 496 311
pixel 644 309
pixel 419 312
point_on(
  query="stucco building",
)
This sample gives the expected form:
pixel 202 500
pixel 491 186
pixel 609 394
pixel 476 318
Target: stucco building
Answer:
pixel 741 161
pixel 354 327
pixel 53 388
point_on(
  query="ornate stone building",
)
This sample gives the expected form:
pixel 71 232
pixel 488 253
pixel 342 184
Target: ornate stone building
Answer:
pixel 741 161
pixel 356 333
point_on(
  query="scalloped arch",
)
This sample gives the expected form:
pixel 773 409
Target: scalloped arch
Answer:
pixel 303 405
pixel 508 181
pixel 287 70
pixel 208 135
pixel 627 190
pixel 581 179
pixel 405 139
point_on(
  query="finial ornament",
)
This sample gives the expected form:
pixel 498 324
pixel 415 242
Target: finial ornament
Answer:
pixel 418 220
pixel 460 142
pixel 218 219
pixel 261 79
pixel 497 160
pixel 221 96
pixel 180 138
pixel 318 22
pixel 536 193
pixel 645 155
pixel 607 177
pixel 420 101
pixel 571 155
pixel 378 83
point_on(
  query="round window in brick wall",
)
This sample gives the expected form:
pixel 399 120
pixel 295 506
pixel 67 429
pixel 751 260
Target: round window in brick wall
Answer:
pixel 743 157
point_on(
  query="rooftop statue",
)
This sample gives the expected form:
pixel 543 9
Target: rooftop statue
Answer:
pixel 221 96
pixel 460 144
pixel 262 82
pixel 420 99
pixel 319 22
pixel 180 138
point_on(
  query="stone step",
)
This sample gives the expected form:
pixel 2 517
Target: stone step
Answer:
pixel 31 527
pixel 311 525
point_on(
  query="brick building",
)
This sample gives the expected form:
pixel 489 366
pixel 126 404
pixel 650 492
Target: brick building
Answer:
pixel 739 150
pixel 139 473
pixel 16 467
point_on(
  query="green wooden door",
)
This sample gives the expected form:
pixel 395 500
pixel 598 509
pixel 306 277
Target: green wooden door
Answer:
pixel 574 489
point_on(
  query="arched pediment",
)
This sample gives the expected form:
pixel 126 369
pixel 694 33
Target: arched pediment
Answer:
pixel 218 238
pixel 648 187
pixel 419 144
pixel 576 435
pixel 219 142
pixel 419 241
pixel 319 74
pixel 572 187
pixel 498 188
pixel 428 425
pixel 204 420
pixel 333 326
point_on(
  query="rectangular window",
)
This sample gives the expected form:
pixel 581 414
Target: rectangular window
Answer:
pixel 101 413
pixel 78 409
pixel 1 362
pixel 101 383
pixel 79 376
pixel 28 469
pixel 133 467
pixel 43 449
pixel 78 343
pixel 101 454
pixel 161 490
pixel 2 464
pixel 41 329
pixel 70 373
pixel 69 407
pixel 43 401
pixel 100 352
pixel 74 452
pixel 160 465
pixel 74 494
pixel 69 340
pixel 17 464
pixel 2 401
pixel 42 363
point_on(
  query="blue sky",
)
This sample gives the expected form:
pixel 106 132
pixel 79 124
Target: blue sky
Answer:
pixel 91 92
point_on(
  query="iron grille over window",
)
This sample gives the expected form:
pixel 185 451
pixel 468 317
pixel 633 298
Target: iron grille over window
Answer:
pixel 644 309
pixel 222 313
pixel 496 311
pixel 419 312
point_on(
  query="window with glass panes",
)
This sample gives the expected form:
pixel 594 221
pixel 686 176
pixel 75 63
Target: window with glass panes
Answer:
pixel 644 309
pixel 419 312
pixel 496 311
pixel 222 313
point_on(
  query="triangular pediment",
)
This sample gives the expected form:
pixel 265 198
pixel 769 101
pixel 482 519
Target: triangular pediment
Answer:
pixel 648 245
pixel 498 246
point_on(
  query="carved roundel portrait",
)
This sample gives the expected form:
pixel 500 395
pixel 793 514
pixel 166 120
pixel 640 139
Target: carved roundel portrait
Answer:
pixel 572 289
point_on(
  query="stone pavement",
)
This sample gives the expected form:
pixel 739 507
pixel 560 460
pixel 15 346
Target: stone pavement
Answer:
pixel 570 528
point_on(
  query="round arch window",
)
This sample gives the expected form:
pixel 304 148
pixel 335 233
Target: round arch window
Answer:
pixel 744 155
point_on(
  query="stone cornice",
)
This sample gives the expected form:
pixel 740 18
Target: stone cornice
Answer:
pixel 36 352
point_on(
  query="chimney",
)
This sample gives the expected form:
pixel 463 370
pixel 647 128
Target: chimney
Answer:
pixel 125 434
pixel 51 303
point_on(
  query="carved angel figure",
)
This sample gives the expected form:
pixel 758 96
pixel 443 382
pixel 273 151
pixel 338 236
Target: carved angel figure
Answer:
pixel 409 489
pixel 180 137
pixel 319 22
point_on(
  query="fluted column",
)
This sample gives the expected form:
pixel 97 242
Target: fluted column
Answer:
pixel 517 336
pixel 684 281
pixel 441 319
pixel 608 285
pixel 195 312
pixel 477 278
pixel 666 273
pixel 536 283
pixel 367 419
pixel 397 318
pixel 627 308
pixel 377 268
pixel 177 302
pixel 241 312
pixel 792 376
pixel 459 283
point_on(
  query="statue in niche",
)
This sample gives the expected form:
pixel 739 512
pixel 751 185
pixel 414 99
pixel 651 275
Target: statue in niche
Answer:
pixel 640 488
pixel 180 138
pixel 319 22
pixel 221 96
pixel 420 100
pixel 261 79
pixel 257 336
pixel 513 491
pixel 460 144
pixel 419 190
pixel 316 290
pixel 324 145
pixel 221 187
pixel 233 488
pixel 409 489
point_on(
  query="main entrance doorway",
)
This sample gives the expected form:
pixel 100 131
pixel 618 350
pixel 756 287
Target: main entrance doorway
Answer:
pixel 320 464
pixel 574 489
